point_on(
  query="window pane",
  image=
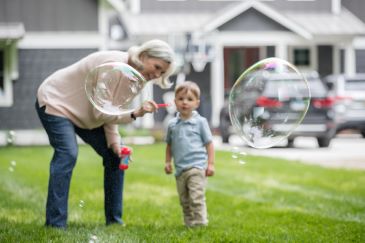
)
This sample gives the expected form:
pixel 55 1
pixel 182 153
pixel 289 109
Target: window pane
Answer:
pixel 301 57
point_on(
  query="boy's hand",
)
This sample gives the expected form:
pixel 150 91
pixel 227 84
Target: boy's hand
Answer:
pixel 168 168
pixel 210 170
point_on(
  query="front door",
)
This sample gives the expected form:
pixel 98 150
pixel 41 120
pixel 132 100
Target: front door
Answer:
pixel 236 61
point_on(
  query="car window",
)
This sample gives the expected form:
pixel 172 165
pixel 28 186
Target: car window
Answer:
pixel 355 84
pixel 317 88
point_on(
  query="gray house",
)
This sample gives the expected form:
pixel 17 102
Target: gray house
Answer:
pixel 222 38
pixel 215 41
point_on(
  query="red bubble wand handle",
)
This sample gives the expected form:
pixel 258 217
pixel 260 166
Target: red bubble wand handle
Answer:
pixel 163 105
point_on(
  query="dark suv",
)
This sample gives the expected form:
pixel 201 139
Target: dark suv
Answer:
pixel 319 122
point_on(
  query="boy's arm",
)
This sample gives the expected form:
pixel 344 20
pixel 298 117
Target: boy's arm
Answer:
pixel 210 151
pixel 168 166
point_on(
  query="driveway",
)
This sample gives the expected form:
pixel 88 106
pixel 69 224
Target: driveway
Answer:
pixel 345 151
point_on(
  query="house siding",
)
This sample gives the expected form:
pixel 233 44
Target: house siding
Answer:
pixel 355 6
pixel 34 66
pixel 252 20
pixel 51 15
pixel 360 61
pixel 209 6
pixel 182 6
pixel 316 5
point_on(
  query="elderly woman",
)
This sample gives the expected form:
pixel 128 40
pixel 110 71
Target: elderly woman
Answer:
pixel 65 111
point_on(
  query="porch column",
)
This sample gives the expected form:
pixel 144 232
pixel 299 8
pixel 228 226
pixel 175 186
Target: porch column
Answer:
pixel 217 85
pixel 336 65
pixel 281 51
pixel 350 62
pixel 147 94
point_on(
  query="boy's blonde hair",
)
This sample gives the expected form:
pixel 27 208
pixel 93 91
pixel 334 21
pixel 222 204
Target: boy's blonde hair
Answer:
pixel 188 86
pixel 155 49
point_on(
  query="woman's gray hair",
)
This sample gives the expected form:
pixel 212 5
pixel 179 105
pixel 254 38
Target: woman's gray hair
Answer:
pixel 155 49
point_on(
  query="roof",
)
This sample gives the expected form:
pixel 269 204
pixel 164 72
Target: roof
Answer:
pixel 305 24
pixel 163 23
pixel 344 23
pixel 11 30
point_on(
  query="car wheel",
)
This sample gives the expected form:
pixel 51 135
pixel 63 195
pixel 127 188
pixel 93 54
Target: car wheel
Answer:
pixel 323 142
pixel 363 133
pixel 225 138
pixel 290 143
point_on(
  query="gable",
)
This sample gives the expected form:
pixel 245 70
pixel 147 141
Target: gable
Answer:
pixel 278 20
pixel 252 20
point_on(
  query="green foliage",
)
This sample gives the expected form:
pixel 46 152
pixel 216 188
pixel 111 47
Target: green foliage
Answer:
pixel 264 200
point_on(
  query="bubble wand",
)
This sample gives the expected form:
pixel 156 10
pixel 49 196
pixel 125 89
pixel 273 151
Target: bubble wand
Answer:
pixel 163 105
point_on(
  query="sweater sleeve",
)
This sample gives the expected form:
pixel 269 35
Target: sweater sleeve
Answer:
pixel 112 134
pixel 111 127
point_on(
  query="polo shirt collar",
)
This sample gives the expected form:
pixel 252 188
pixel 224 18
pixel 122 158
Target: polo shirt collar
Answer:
pixel 191 120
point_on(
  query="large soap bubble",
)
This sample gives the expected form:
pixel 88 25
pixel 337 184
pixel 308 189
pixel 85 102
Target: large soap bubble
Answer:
pixel 111 87
pixel 268 102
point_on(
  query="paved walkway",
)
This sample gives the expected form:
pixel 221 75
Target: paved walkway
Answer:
pixel 344 151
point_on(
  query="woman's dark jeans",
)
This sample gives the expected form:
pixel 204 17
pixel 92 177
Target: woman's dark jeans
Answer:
pixel 62 136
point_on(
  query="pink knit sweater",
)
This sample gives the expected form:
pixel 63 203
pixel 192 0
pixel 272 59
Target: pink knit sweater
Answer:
pixel 63 94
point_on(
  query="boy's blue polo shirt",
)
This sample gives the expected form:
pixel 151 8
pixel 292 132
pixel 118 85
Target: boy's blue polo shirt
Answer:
pixel 188 139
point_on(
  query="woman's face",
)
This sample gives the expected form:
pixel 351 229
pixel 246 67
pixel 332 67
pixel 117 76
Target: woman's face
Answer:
pixel 153 68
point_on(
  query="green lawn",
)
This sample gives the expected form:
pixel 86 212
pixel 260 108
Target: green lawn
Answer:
pixel 264 200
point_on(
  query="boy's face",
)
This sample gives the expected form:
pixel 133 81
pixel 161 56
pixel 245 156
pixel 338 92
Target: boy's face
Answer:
pixel 186 102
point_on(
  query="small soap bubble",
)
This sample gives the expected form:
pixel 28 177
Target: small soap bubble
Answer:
pixel 11 169
pixel 10 137
pixel 13 163
pixel 241 162
pixel 81 203
pixel 238 155
pixel 93 239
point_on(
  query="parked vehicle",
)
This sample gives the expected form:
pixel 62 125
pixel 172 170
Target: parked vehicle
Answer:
pixel 319 122
pixel 349 92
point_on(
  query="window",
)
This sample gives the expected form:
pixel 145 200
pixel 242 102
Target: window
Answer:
pixel 301 57
pixel 8 73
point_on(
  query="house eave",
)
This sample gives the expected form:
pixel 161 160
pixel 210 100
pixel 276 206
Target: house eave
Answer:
pixel 11 31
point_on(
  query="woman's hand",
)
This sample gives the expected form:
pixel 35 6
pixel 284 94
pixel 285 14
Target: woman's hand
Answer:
pixel 147 107
pixel 116 148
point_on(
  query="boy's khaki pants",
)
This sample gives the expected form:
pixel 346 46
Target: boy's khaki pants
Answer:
pixel 191 189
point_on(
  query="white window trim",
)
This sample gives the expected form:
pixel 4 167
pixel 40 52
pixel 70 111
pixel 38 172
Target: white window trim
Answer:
pixel 10 73
pixel 61 40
